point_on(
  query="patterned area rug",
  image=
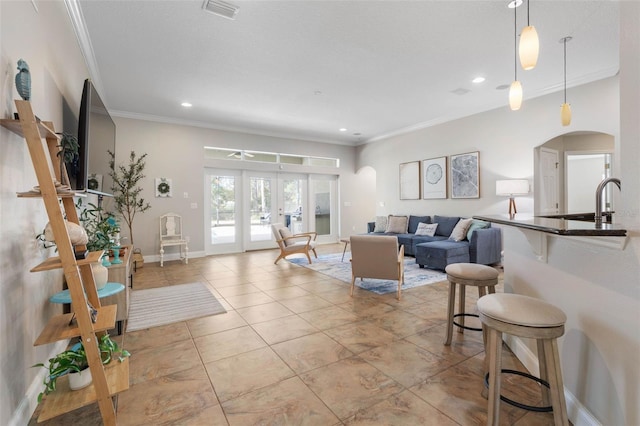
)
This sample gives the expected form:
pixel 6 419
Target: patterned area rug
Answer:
pixel 165 305
pixel 331 265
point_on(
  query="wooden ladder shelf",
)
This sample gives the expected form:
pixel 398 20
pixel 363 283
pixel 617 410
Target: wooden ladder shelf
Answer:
pixel 107 380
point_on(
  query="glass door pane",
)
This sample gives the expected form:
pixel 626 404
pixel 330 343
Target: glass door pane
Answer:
pixel 323 194
pixel 260 207
pixel 221 211
pixel 292 196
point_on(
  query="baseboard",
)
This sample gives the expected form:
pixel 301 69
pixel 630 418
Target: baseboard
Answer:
pixel 173 256
pixel 29 402
pixel 578 414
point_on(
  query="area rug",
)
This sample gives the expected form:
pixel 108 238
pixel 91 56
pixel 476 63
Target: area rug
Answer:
pixel 330 265
pixel 165 305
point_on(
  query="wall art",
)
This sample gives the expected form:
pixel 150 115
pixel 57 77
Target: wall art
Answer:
pixel 410 181
pixel 464 170
pixel 434 178
pixel 164 187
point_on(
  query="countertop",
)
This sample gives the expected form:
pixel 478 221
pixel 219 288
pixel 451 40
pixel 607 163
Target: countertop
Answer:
pixel 556 226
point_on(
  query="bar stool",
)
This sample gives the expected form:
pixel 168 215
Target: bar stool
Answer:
pixel 532 318
pixel 464 274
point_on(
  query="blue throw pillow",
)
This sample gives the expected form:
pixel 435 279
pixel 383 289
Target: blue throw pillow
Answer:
pixel 445 224
pixel 415 220
pixel 476 224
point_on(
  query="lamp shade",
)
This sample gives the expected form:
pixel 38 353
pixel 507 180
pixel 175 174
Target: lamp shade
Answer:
pixel 565 114
pixel 515 95
pixel 512 187
pixel 529 48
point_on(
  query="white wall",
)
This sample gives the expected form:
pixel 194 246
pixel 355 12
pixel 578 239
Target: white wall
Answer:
pixel 505 140
pixel 46 41
pixel 177 152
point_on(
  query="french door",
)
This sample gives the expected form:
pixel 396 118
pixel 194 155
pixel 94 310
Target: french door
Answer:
pixel 241 205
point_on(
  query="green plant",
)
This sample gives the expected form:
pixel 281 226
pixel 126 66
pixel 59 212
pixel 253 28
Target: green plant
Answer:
pixel 68 152
pixel 100 226
pixel 75 359
pixel 126 191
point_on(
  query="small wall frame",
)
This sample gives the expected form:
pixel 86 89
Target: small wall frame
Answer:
pixel 164 187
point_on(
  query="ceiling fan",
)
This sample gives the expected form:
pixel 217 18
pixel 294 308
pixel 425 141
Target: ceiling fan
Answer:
pixel 238 154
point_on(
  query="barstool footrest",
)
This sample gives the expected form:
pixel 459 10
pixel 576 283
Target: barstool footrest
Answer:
pixel 547 409
pixel 464 326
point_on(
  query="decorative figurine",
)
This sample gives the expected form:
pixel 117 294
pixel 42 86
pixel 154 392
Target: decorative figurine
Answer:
pixel 23 80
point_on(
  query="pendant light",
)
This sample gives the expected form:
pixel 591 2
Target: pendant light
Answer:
pixel 515 91
pixel 565 109
pixel 529 45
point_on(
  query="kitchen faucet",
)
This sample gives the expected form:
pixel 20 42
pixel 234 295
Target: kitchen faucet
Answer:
pixel 599 190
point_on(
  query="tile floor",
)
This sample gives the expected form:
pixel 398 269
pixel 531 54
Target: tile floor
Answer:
pixel 295 349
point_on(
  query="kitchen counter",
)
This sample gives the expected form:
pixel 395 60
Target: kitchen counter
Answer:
pixel 556 225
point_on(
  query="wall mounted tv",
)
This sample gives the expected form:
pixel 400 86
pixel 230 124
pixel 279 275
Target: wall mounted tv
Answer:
pixel 96 136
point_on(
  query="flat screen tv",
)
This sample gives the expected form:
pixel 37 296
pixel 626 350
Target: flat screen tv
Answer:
pixel 96 137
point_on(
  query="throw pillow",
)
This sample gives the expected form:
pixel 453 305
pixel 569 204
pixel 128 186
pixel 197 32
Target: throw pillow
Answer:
pixel 415 220
pixel 428 229
pixel 397 224
pixel 445 224
pixel 286 233
pixel 381 224
pixel 459 233
pixel 476 224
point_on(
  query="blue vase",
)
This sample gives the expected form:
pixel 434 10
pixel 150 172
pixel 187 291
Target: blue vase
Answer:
pixel 23 80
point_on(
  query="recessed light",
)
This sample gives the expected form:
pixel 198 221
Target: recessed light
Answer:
pixel 357 134
pixel 343 129
pixel 503 87
pixel 515 3
pixel 186 104
pixel 478 80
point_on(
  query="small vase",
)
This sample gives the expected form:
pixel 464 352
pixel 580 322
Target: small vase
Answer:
pixel 105 259
pixel 100 275
pixel 80 379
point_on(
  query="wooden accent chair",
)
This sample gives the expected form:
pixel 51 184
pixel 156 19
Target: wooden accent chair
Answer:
pixel 171 235
pixel 377 256
pixel 290 243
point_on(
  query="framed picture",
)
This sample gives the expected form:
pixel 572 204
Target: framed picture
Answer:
pixel 410 181
pixel 464 170
pixel 434 178
pixel 164 187
pixel 94 182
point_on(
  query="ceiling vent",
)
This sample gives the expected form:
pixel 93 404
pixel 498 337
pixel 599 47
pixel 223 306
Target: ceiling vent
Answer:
pixel 220 8
pixel 460 91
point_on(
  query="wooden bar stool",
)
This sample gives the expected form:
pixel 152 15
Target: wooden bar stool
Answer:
pixel 532 318
pixel 464 274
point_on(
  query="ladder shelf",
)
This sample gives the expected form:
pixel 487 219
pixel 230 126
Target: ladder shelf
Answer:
pixel 109 379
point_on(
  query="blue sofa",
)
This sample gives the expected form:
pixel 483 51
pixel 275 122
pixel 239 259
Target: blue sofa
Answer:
pixel 483 247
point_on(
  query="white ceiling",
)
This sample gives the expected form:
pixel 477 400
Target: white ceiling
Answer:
pixel 304 69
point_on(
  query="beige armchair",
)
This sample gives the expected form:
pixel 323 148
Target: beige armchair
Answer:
pixel 377 256
pixel 293 243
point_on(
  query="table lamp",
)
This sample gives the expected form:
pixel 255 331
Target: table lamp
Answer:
pixel 510 188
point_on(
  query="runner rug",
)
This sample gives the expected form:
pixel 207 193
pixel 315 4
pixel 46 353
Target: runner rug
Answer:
pixel 331 265
pixel 165 305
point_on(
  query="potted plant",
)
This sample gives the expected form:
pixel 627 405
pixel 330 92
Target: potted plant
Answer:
pixel 74 362
pixel 101 229
pixel 127 192
pixel 101 226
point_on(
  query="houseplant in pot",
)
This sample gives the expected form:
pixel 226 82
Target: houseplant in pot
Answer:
pixel 127 192
pixel 101 228
pixel 74 362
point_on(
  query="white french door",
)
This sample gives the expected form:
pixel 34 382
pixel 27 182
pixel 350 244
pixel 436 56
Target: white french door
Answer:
pixel 273 198
pixel 241 205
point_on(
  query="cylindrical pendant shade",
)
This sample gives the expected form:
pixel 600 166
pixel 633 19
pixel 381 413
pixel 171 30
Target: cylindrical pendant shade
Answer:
pixel 515 95
pixel 529 48
pixel 565 114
